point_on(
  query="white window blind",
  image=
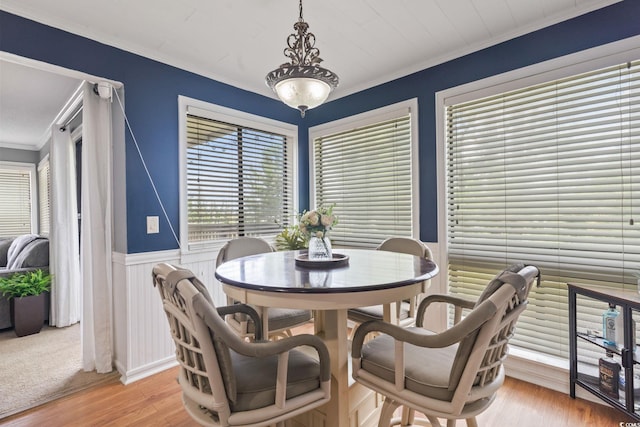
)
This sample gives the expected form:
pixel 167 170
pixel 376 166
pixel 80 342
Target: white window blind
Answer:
pixel 548 175
pixel 366 173
pixel 239 180
pixel 44 197
pixel 15 201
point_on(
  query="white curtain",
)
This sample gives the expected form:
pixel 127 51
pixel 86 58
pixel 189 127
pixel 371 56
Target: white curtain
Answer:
pixel 96 241
pixel 65 262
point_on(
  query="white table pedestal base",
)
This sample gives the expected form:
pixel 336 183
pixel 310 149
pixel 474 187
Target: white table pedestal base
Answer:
pixel 364 410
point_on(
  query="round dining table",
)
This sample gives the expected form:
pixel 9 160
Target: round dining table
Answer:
pixel 353 278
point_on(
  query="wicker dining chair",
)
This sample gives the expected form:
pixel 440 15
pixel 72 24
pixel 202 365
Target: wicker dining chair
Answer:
pixel 453 374
pixel 280 320
pixel 227 381
pixel 405 310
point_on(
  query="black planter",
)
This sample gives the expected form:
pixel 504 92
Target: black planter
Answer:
pixel 28 314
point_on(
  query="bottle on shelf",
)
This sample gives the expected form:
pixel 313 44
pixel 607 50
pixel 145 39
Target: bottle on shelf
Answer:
pixel 609 325
pixel 609 378
pixel 619 325
pixel 622 388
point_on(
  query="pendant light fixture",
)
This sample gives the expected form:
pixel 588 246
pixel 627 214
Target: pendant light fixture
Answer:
pixel 302 83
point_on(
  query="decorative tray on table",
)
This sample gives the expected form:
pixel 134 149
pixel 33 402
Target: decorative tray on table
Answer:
pixel 337 260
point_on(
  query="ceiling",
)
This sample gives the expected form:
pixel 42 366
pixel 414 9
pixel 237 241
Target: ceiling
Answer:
pixel 365 42
pixel 30 100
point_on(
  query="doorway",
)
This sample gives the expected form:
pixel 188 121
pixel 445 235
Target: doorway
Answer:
pixel 79 179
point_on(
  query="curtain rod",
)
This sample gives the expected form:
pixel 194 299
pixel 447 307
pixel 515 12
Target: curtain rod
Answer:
pixel 63 127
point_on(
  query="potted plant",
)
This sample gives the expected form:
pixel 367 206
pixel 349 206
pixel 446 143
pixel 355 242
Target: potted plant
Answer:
pixel 27 295
pixel 291 238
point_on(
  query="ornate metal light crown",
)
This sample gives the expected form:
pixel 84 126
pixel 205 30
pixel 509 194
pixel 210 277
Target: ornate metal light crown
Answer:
pixel 302 83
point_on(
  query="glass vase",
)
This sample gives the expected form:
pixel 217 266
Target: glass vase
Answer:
pixel 320 248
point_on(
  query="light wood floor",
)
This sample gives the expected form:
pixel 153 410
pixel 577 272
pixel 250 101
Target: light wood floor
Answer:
pixel 155 401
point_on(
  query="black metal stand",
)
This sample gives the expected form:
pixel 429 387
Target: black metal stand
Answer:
pixel 628 301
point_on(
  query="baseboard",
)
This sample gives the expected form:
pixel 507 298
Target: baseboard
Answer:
pixel 146 371
pixel 547 372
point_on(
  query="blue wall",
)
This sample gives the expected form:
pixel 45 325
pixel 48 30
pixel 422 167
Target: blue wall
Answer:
pixel 152 89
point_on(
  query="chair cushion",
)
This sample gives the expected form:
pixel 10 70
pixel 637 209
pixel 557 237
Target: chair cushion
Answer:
pixel 469 341
pixel 256 379
pixel 496 283
pixel 375 312
pixel 427 370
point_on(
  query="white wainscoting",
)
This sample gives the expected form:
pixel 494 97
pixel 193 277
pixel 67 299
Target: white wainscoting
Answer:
pixel 143 346
pixel 142 343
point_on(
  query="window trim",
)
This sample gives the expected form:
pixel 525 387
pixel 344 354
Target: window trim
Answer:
pixel 367 118
pixel 33 187
pixel 228 115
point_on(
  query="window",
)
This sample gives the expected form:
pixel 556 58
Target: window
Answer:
pixel 44 197
pixel 365 166
pixel 239 176
pixel 547 175
pixel 17 213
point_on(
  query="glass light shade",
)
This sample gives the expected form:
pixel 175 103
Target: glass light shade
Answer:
pixel 302 83
pixel 302 93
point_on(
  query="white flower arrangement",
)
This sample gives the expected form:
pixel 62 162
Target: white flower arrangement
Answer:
pixel 317 222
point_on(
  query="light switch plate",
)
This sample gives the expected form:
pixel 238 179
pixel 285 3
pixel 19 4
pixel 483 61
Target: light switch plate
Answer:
pixel 153 224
